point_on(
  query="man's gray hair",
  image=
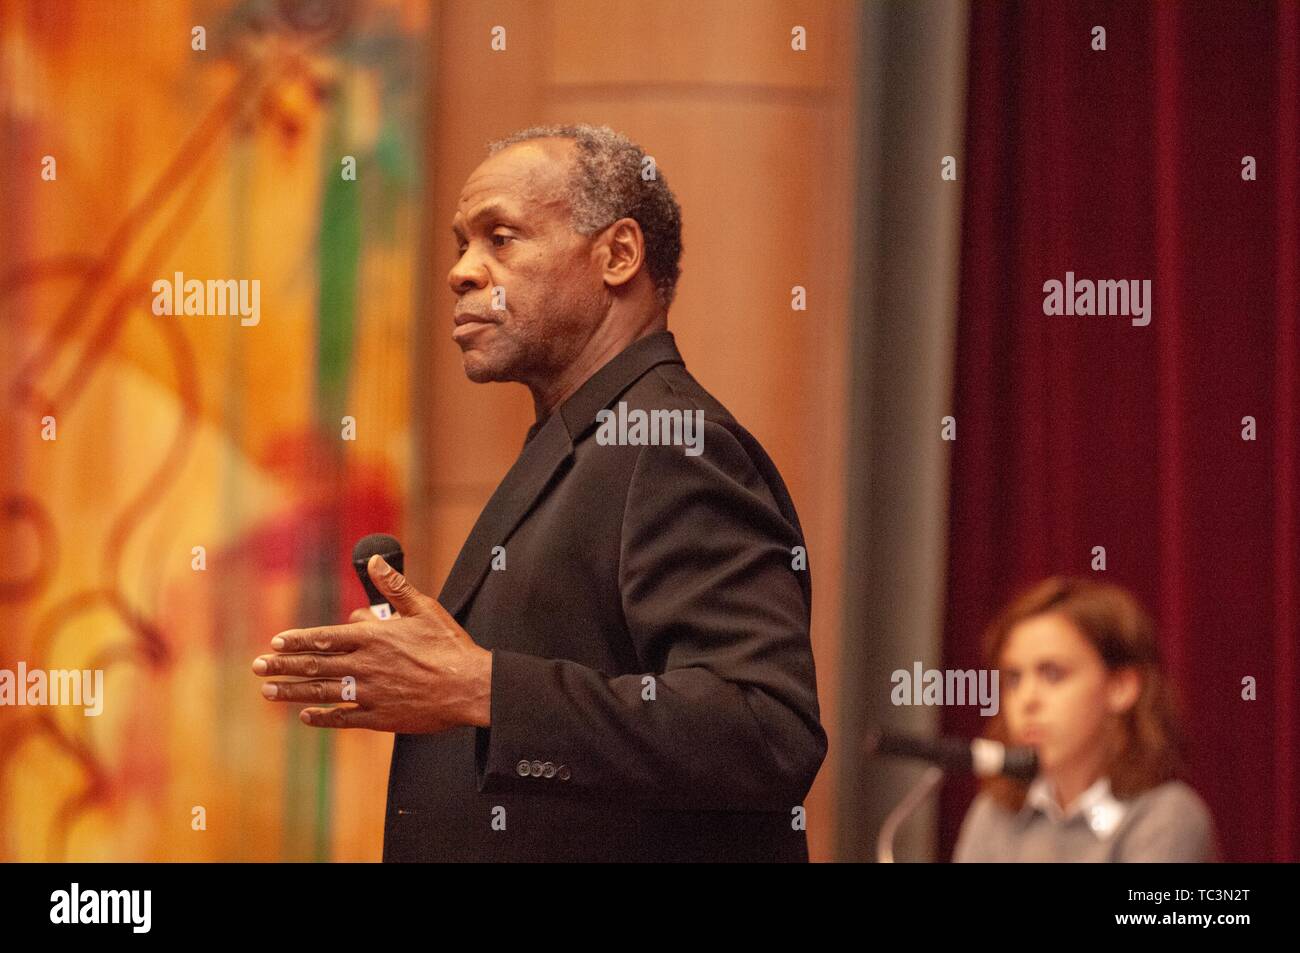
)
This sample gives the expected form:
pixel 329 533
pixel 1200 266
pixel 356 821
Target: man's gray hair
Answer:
pixel 607 184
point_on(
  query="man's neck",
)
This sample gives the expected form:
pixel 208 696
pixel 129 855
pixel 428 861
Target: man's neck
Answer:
pixel 599 350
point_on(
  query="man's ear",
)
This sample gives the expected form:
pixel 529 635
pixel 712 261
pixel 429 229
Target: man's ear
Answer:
pixel 626 251
pixel 1123 686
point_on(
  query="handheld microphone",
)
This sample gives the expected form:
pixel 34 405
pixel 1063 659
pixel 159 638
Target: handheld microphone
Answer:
pixel 981 757
pixel 386 546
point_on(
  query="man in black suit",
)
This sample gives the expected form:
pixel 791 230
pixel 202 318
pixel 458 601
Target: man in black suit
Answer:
pixel 618 666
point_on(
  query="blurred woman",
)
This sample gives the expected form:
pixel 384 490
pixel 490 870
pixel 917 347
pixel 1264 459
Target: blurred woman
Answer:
pixel 1080 681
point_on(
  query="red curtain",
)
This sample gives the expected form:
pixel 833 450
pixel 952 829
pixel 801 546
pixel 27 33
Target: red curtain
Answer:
pixel 1082 431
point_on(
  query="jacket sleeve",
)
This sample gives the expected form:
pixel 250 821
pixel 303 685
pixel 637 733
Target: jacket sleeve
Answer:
pixel 724 715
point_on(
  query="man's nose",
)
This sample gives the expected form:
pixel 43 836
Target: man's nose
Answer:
pixel 467 274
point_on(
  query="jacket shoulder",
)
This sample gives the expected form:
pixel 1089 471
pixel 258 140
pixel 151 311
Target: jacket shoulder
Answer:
pixel 1170 822
pixel 984 833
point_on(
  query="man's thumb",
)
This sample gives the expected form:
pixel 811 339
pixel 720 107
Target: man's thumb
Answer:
pixel 402 596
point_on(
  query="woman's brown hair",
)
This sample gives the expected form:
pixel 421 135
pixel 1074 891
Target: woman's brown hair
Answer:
pixel 1147 748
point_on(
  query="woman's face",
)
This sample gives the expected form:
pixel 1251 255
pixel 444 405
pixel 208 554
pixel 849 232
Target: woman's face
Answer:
pixel 1056 692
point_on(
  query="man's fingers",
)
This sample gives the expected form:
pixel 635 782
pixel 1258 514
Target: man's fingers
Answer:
pixel 307 665
pixel 318 690
pixel 347 715
pixel 324 638
pixel 402 596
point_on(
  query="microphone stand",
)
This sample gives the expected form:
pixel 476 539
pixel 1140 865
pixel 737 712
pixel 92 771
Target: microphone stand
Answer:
pixel 903 810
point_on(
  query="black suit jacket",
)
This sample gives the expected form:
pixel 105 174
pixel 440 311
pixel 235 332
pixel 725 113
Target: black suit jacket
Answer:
pixel 653 694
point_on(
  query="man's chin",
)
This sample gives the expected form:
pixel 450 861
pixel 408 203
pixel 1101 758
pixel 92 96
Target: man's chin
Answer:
pixel 478 370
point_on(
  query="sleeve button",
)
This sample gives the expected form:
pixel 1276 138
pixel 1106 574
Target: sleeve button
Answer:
pixel 522 769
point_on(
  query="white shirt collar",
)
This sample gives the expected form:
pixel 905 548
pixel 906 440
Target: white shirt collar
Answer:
pixel 1099 808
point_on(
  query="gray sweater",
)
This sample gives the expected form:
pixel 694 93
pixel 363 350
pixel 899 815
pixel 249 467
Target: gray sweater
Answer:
pixel 1166 823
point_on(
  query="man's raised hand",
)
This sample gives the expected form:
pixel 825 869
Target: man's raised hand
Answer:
pixel 417 672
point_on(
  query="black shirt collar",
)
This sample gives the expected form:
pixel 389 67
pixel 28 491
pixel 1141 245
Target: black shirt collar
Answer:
pixel 578 412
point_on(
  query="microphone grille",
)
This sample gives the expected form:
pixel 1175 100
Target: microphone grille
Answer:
pixel 381 543
pixel 1021 764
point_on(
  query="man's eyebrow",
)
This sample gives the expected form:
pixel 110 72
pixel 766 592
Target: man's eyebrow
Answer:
pixel 492 209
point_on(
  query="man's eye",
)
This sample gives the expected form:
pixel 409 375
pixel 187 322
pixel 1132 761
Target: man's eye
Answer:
pixel 461 249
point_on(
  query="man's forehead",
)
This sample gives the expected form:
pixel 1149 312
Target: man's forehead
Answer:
pixel 524 177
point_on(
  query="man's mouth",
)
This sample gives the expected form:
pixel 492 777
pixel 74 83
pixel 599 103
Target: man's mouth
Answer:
pixel 467 325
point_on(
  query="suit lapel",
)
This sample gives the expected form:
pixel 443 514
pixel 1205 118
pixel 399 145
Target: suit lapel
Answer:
pixel 542 457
